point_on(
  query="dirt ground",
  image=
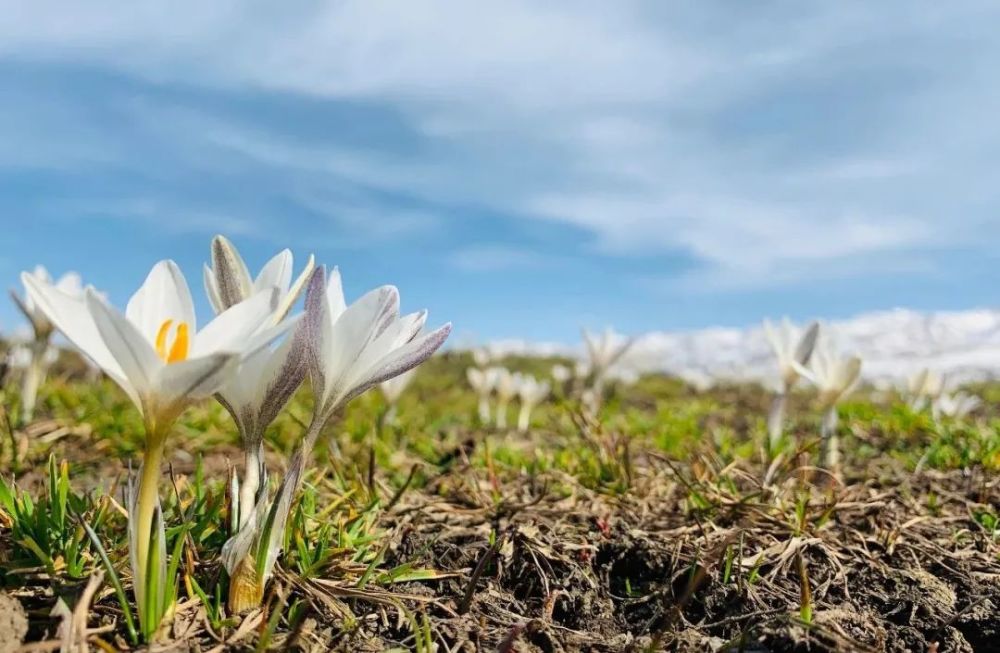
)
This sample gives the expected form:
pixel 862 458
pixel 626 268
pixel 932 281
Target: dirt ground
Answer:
pixel 687 555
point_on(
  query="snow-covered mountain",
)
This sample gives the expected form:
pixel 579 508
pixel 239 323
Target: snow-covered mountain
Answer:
pixel 894 344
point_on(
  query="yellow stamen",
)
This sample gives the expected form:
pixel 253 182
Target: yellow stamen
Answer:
pixel 161 339
pixel 179 351
pixel 179 348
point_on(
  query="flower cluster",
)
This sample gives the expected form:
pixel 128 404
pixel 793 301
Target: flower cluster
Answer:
pixel 812 355
pixel 505 385
pixel 251 356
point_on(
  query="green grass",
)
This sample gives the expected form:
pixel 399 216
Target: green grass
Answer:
pixel 62 519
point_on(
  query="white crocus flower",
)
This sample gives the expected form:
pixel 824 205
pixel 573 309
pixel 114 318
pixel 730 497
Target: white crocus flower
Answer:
pixel 505 386
pixel 531 392
pixel 834 376
pixel 604 351
pixel 349 349
pixel 955 406
pixel 590 400
pixel 228 281
pixel 483 382
pixel 33 369
pixel 698 379
pixel 392 390
pixel 923 388
pixel 562 377
pixel 482 357
pixel 791 347
pixel 20 357
pixel 623 375
pixel 42 328
pixel 162 361
pixel 267 379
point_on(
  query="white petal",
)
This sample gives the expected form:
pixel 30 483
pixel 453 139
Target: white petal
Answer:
pixel 70 283
pixel 398 361
pixel 396 334
pixel 344 346
pixel 477 378
pixel 163 296
pixel 192 379
pixel 850 374
pixel 212 289
pixel 231 274
pixel 42 274
pixel 394 388
pixel 134 354
pixel 71 316
pixel 775 340
pixel 276 273
pixel 335 294
pixel 230 331
pixel 806 373
pixel 296 289
pixel 807 343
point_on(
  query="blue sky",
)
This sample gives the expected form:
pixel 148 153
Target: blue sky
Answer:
pixel 519 168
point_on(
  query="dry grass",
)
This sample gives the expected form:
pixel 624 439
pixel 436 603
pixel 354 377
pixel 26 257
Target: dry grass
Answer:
pixel 659 527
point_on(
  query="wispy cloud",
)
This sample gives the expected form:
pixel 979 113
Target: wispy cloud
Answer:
pixel 771 145
pixel 497 257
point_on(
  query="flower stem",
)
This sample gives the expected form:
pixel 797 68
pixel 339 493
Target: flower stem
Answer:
pixel 146 500
pixel 253 463
pixel 830 441
pixel 501 421
pixel 776 422
pixel 33 376
pixel 524 418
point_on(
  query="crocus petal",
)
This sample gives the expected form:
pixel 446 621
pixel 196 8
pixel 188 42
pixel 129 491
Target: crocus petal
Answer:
pixel 264 383
pixel 774 340
pixel 396 362
pixel 317 319
pixel 132 351
pixel 807 343
pixel 805 372
pixel 276 273
pixel 850 374
pixel 164 295
pixel 70 283
pixel 231 275
pixel 71 316
pixel 38 322
pixel 42 274
pixel 285 369
pixel 395 335
pixel 212 289
pixel 293 293
pixel 590 344
pixel 230 329
pixel 345 341
pixel 192 379
pixel 394 388
pixel 620 352
pixel 335 294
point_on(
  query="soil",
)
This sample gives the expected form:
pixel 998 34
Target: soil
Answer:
pixel 13 624
pixel 691 556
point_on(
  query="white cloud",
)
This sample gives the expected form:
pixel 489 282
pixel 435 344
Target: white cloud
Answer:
pixel 794 137
pixel 497 257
